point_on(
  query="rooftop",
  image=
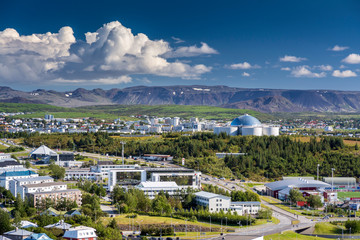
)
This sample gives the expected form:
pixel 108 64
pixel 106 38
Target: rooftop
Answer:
pixel 245 120
pixel 210 195
pixel 298 182
pixel 43 150
pixel 17 173
pixel 48 184
pixel 60 191
pixel 157 184
pixel 40 178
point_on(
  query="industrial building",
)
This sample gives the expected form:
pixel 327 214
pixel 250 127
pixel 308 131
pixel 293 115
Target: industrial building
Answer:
pixel 247 125
pixel 281 188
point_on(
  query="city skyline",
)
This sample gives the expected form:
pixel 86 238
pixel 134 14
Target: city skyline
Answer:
pixel 250 44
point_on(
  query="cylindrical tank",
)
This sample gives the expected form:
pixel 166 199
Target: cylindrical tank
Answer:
pixel 254 131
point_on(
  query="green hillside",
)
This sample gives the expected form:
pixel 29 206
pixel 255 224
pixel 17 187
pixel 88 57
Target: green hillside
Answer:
pixel 124 111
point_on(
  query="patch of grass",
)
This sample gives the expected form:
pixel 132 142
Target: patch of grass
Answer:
pixel 291 235
pixel 280 204
pixel 265 221
pixel 327 228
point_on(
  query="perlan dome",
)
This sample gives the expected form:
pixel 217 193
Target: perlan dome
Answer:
pixel 245 120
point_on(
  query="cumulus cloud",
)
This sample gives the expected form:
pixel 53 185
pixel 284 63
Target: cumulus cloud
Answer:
pixel 245 74
pixel 304 71
pixel 338 48
pixel 108 56
pixel 244 65
pixel 324 67
pixel 285 69
pixel 344 74
pixel 352 59
pixel 190 51
pixel 288 58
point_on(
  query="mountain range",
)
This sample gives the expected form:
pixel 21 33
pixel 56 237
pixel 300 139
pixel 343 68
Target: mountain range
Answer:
pixel 263 100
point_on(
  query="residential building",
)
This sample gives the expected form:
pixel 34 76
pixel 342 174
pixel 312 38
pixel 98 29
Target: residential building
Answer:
pixel 38 236
pixel 15 185
pixel 70 194
pixel 59 225
pixel 17 234
pixel 80 233
pixel 7 176
pixel 85 174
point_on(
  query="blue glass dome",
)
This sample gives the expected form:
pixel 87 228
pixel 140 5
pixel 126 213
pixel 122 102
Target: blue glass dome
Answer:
pixel 245 120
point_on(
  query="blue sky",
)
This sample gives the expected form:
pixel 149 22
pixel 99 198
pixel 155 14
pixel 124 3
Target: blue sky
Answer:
pixel 255 44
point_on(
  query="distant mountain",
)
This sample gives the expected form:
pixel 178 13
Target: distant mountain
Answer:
pixel 263 100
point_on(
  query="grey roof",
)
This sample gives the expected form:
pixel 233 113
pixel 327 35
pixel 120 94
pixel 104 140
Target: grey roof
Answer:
pixel 47 184
pixel 58 191
pixel 245 203
pixel 306 178
pixel 18 232
pixel 210 195
pixel 43 150
pixel 4 238
pixel 60 225
pixel 40 178
pixel 298 183
pixel 341 180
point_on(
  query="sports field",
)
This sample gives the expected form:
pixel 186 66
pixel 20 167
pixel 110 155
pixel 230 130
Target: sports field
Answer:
pixel 348 194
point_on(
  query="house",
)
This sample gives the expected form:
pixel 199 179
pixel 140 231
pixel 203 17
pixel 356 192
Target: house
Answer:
pixel 51 211
pixel 17 234
pixel 72 213
pixel 215 202
pixel 38 236
pixel 27 224
pixel 59 225
pixel 7 176
pixel 80 233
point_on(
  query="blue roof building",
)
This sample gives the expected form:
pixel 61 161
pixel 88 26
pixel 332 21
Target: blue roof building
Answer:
pixel 245 120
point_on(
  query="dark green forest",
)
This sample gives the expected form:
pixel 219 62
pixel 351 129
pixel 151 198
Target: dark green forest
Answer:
pixel 265 157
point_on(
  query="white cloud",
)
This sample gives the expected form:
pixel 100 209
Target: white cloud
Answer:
pixel 177 40
pixel 245 74
pixel 244 65
pixel 344 74
pixel 352 59
pixel 285 69
pixel 304 71
pixel 338 48
pixel 190 51
pixel 288 58
pixel 108 56
pixel 342 66
pixel 324 67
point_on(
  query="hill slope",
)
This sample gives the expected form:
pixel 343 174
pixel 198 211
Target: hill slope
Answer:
pixel 264 100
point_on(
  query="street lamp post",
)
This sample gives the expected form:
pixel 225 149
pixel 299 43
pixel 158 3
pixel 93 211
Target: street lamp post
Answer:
pixel 318 172
pixel 122 151
pixel 210 222
pixel 226 221
pixel 332 178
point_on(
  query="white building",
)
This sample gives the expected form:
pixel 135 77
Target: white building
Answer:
pixel 80 232
pixel 151 189
pixel 42 187
pixel 7 176
pixel 15 185
pixel 125 177
pixel 243 208
pixel 85 174
pixel 247 125
pixel 215 202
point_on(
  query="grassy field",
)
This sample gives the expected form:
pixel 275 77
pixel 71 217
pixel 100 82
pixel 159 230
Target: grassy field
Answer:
pixel 291 235
pixel 327 228
pixel 279 204
pixel 348 194
pixel 125 111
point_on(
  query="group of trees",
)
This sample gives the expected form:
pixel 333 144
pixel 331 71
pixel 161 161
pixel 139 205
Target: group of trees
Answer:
pixel 92 187
pixel 313 201
pixel 265 156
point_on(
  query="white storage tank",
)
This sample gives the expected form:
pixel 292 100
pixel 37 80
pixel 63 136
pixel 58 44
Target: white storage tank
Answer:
pixel 254 131
pixel 270 131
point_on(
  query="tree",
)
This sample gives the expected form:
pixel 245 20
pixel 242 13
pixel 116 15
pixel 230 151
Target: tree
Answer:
pixel 57 171
pixel 17 219
pixel 295 196
pixel 5 225
pixel 314 201
pixel 264 214
pixel 27 164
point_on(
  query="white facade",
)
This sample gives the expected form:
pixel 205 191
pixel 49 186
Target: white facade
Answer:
pixel 243 208
pixel 15 185
pixel 112 181
pixel 42 187
pixel 82 174
pixel 80 232
pixel 193 177
pixel 231 131
pixel 151 189
pixel 7 176
pixel 252 131
pixel 215 202
pixel 271 131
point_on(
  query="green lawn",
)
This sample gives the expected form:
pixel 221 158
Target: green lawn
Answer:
pixel 280 204
pixel 327 228
pixel 291 235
